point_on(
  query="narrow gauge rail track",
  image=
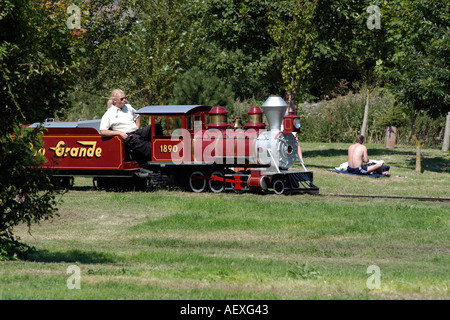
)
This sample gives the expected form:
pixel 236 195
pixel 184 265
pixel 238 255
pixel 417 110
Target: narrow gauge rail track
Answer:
pixel 383 197
pixel 87 188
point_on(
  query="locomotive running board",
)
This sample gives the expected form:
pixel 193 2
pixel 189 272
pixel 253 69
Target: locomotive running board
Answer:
pixel 289 182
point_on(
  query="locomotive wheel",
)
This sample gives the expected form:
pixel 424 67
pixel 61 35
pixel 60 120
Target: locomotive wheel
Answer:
pixel 197 181
pixel 217 186
pixel 278 187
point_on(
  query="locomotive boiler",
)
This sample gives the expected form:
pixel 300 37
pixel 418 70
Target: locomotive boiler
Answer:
pixel 193 147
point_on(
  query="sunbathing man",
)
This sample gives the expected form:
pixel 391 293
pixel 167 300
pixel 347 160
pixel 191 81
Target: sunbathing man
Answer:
pixel 357 155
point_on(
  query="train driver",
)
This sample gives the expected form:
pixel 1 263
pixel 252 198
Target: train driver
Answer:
pixel 121 119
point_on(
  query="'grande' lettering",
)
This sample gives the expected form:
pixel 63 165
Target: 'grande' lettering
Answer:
pixel 88 149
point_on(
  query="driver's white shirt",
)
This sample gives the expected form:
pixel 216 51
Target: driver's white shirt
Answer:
pixel 120 120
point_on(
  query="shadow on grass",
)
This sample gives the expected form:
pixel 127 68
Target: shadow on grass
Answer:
pixel 435 164
pixel 343 152
pixel 72 256
pixel 324 153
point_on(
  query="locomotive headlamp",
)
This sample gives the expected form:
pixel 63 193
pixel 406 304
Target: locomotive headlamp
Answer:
pixel 297 123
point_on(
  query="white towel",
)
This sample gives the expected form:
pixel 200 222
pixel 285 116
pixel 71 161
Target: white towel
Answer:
pixel 344 166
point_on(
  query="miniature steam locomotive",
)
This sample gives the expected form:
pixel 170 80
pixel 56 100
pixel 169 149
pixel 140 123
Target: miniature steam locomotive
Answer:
pixel 193 148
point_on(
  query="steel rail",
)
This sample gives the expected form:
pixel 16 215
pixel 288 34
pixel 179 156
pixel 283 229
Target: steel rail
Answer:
pixel 383 197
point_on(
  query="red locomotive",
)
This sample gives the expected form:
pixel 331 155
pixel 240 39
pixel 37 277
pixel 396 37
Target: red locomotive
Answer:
pixel 193 147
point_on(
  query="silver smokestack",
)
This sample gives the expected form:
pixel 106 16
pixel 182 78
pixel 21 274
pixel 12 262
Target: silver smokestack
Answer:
pixel 275 109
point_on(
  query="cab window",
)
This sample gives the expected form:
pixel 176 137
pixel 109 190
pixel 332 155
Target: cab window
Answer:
pixel 173 124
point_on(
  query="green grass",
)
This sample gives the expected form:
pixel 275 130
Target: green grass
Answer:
pixel 177 245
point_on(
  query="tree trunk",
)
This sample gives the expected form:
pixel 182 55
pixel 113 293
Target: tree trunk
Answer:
pixel 446 142
pixel 366 115
pixel 418 145
pixel 391 136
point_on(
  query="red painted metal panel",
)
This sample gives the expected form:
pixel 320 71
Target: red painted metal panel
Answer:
pixel 167 150
pixel 84 151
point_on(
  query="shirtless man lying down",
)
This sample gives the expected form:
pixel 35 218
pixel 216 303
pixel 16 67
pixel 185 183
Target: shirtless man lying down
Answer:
pixel 357 156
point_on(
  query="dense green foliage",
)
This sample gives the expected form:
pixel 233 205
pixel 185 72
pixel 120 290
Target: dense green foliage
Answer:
pixel 198 87
pixel 26 193
pixel 236 46
pixel 307 48
pixel 339 120
pixel 323 42
pixel 37 55
pixel 37 52
pixel 419 70
pixel 139 46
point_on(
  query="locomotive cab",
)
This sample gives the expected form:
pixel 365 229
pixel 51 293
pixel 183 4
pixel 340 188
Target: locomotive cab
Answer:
pixel 167 122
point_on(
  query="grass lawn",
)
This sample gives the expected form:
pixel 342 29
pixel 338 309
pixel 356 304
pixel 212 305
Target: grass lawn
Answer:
pixel 179 245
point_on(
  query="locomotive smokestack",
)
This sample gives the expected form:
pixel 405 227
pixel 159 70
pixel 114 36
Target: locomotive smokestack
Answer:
pixel 275 108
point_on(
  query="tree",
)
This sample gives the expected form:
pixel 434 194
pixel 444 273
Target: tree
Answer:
pixel 106 62
pixel 163 46
pixel 323 43
pixel 446 142
pixel 37 53
pixel 198 87
pixel 293 30
pixel 236 47
pixel 37 56
pixel 143 47
pixel 139 46
pixel 366 115
pixel 27 193
pixel 418 72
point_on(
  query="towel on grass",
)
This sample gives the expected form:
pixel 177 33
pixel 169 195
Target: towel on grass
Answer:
pixel 343 169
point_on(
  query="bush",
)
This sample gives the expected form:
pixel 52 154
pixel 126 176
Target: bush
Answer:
pixel 27 194
pixel 242 107
pixel 13 250
pixel 340 119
